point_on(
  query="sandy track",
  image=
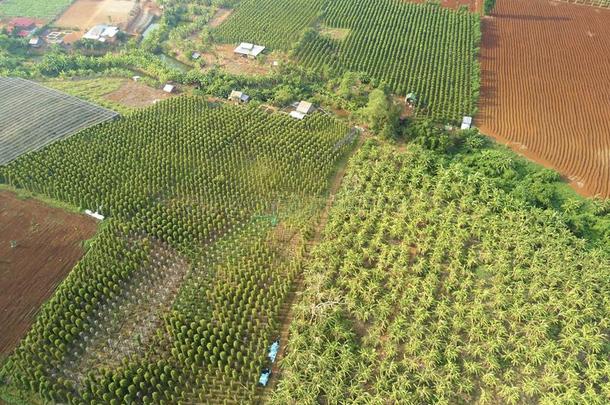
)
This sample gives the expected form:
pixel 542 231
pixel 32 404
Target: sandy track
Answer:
pixel 48 245
pixel 545 88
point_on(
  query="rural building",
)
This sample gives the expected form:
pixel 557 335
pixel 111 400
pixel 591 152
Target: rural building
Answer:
pixel 302 109
pixel 169 88
pixel 35 42
pixel 102 33
pixel 239 97
pixel 196 55
pixel 466 122
pixel 249 50
pixel 23 26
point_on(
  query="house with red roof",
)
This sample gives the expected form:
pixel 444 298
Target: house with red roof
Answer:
pixel 25 26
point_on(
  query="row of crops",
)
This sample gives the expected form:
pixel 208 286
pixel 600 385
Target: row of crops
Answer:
pixel 420 49
pixel 272 23
pixel 412 48
pixel 196 195
pixel 48 9
pixel 432 286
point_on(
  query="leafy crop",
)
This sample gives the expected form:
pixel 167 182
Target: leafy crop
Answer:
pixel 195 193
pixel 274 24
pixel 421 49
pixel 431 285
pixel 47 9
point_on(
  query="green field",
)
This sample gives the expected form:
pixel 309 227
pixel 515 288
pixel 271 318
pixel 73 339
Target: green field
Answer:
pixel 45 9
pixel 432 285
pixel 411 48
pixel 272 23
pixel 93 90
pixel 178 297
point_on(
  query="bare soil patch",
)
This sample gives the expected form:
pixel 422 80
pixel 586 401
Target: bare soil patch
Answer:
pixel 84 14
pixel 220 16
pixel 545 90
pixel 48 244
pixel 134 94
pixel 224 58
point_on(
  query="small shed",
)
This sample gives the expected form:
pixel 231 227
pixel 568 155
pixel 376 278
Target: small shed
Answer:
pixel 196 55
pixel 305 107
pixel 136 78
pixel 35 42
pixel 297 115
pixel 249 50
pixel 466 122
pixel 169 88
pixel 239 97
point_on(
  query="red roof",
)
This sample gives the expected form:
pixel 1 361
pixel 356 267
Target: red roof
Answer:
pixel 23 33
pixel 22 22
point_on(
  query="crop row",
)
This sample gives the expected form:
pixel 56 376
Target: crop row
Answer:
pixel 194 193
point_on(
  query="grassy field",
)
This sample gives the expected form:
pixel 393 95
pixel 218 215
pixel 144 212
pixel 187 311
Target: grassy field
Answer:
pixel 44 9
pixel 92 90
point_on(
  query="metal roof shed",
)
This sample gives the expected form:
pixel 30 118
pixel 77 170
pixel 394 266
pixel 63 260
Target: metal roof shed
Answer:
pixel 305 107
pixel 249 50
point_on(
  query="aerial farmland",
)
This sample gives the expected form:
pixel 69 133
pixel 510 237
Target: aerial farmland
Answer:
pixel 300 202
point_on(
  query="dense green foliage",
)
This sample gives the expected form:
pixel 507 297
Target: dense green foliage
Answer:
pixel 489 5
pixel 432 285
pixel 183 182
pixel 272 23
pixel 421 49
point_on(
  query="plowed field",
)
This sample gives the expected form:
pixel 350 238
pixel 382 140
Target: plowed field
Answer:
pixel 546 88
pixel 46 244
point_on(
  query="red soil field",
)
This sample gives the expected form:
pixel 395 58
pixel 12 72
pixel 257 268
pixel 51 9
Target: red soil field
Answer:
pixel 545 90
pixel 48 244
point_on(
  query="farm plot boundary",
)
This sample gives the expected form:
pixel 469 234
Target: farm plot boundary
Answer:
pixel 544 90
pixel 33 116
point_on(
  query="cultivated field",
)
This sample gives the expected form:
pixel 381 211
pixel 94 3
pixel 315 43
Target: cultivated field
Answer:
pixel 431 286
pixel 33 116
pixel 47 245
pixel 84 14
pixel 475 6
pixel 545 87
pixel 45 9
pixel 179 297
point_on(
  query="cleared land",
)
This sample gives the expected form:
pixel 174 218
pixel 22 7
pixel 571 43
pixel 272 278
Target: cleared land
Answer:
pixel 48 244
pixel 46 9
pixel 218 18
pixel 33 116
pixel 545 87
pixel 84 14
pixel 134 94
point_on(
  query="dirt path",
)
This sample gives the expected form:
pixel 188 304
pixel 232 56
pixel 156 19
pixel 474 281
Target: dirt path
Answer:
pixel 287 309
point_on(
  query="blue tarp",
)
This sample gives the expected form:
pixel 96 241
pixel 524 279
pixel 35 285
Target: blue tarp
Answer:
pixel 264 378
pixel 275 347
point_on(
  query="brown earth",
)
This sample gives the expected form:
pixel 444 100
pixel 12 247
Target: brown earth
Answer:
pixel 545 90
pixel 48 244
pixel 84 14
pixel 219 17
pixel 134 94
pixel 223 57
